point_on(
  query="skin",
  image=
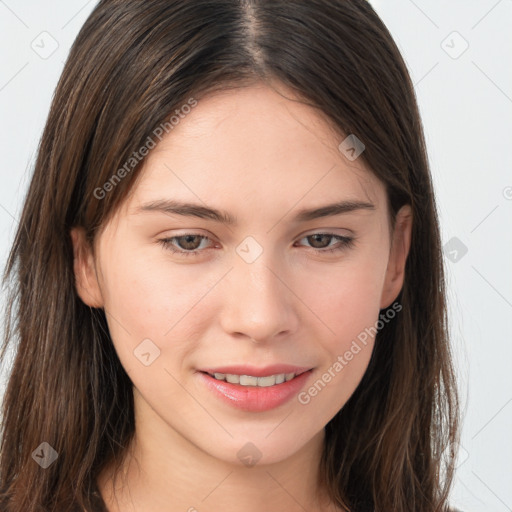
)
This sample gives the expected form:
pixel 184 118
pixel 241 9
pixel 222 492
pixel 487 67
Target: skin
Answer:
pixel 260 157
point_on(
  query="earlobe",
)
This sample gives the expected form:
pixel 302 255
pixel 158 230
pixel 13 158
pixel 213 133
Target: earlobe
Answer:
pixel 400 246
pixel 86 281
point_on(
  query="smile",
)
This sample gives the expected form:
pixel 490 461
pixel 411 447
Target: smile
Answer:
pixel 250 380
pixel 253 393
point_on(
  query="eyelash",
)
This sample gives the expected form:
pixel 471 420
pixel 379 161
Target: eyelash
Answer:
pixel 345 243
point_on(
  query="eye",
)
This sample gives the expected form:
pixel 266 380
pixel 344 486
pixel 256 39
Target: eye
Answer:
pixel 188 244
pixel 344 242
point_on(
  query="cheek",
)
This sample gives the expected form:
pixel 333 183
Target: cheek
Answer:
pixel 147 296
pixel 151 298
pixel 346 297
pixel 347 300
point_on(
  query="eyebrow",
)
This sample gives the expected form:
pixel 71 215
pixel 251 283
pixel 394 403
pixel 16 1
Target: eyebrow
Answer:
pixel 187 209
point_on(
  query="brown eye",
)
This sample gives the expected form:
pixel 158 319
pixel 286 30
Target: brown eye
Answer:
pixel 189 242
pixel 320 242
pixel 186 245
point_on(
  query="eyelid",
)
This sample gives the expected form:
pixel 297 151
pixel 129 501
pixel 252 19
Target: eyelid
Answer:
pixel 344 242
pixel 347 233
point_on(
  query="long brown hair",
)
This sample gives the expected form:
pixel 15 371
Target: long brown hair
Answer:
pixel 134 62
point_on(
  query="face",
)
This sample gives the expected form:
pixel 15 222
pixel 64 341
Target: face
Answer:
pixel 275 291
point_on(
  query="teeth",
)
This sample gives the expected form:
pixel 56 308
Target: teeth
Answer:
pixel 233 379
pixel 249 380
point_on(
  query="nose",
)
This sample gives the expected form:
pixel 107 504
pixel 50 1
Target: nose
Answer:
pixel 259 303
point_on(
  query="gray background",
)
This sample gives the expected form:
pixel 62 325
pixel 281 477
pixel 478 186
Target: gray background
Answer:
pixel 460 58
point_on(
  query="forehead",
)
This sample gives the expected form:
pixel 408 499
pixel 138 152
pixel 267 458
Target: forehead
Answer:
pixel 252 121
pixel 254 145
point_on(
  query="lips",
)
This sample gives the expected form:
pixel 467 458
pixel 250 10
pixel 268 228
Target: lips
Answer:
pixel 266 371
pixel 254 398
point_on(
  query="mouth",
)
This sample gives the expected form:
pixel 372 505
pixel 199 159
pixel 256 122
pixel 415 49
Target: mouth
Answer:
pixel 252 389
pixel 252 380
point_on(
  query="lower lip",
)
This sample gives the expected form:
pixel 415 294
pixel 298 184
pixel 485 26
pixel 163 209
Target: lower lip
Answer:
pixel 255 398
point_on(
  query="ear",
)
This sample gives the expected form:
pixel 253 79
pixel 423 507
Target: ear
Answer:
pixel 400 245
pixel 86 280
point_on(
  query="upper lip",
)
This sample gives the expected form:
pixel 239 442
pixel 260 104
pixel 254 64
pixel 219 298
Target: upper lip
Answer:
pixel 254 371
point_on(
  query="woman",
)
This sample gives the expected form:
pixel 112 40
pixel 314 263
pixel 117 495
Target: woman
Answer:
pixel 227 286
